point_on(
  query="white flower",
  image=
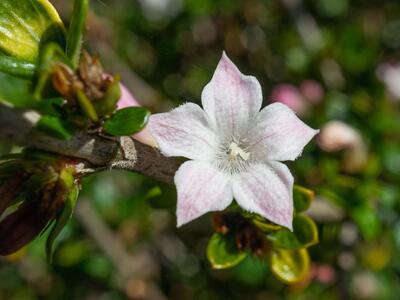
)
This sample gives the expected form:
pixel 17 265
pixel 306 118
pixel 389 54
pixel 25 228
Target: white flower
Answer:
pixel 234 149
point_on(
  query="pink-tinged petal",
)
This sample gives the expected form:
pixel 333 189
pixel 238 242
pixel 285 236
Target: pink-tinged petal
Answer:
pixel 278 134
pixel 201 188
pixel 266 189
pixel 184 131
pixel 127 99
pixel 231 99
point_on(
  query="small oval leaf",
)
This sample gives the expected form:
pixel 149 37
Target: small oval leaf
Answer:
pixel 290 266
pixel 304 235
pixel 127 121
pixel 222 252
pixel 302 198
pixel 26 24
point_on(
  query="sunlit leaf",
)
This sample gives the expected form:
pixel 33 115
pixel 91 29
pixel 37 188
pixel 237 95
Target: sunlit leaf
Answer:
pixel 290 266
pixel 17 67
pixel 222 252
pixel 27 24
pixel 127 121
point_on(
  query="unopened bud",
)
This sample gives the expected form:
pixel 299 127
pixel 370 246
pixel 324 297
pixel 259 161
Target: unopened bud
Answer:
pixel 336 136
pixel 66 82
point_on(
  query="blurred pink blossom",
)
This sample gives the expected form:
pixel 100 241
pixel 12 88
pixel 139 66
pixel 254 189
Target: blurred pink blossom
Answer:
pixel 323 273
pixel 127 100
pixel 389 74
pixel 336 136
pixel 289 95
pixel 312 91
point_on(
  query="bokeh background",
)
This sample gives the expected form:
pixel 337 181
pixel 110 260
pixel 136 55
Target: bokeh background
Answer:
pixel 335 62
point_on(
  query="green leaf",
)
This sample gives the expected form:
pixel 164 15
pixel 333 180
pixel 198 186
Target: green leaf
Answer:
pixel 263 224
pixel 76 30
pixel 52 107
pixel 87 106
pixel 222 252
pixel 290 266
pixel 302 198
pixel 127 121
pixel 62 220
pixel 17 67
pixel 26 25
pixel 15 91
pixel 55 127
pixel 305 234
pixel 49 55
pixel 67 178
pixel 108 104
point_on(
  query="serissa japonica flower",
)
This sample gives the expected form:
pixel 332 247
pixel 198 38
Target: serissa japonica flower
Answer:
pixel 235 151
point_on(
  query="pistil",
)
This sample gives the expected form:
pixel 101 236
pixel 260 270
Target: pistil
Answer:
pixel 235 151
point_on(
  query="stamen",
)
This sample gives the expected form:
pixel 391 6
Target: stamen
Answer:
pixel 235 150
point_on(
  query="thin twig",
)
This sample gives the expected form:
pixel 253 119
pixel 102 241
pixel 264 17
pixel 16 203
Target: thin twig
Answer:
pixel 132 268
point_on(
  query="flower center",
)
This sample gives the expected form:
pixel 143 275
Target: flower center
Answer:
pixel 233 156
pixel 234 151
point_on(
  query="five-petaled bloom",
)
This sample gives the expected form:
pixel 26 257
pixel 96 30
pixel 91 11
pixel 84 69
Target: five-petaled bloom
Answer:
pixel 235 150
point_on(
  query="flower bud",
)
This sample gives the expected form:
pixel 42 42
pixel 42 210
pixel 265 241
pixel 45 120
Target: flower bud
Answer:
pixel 336 136
pixel 41 185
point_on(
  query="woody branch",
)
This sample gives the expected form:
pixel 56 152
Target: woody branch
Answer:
pixel 96 152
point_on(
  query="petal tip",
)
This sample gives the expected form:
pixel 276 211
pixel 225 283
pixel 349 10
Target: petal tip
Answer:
pixel 180 218
pixel 289 225
pixel 227 65
pixel 224 55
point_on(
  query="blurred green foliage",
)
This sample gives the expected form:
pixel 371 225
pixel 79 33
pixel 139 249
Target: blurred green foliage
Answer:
pixel 174 45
